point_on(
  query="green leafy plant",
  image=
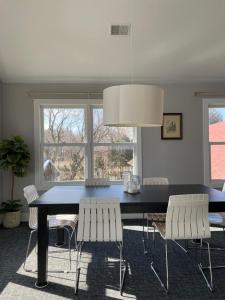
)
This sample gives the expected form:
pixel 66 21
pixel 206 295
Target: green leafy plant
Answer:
pixel 11 205
pixel 2 210
pixel 15 158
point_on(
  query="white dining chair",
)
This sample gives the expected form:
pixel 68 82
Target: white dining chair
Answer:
pixel 153 217
pixel 54 222
pixel 186 219
pixel 218 219
pixel 100 221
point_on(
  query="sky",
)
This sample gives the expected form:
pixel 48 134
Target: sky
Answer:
pixel 221 110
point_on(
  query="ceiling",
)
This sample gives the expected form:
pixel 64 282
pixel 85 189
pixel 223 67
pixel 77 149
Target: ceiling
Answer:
pixel 69 41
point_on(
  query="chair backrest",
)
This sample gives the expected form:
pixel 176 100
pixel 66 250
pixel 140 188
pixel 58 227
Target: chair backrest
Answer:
pixel 31 194
pixel 155 181
pixel 223 189
pixel 97 182
pixel 187 217
pixel 99 220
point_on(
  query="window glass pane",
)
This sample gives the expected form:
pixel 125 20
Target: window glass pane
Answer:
pixel 217 161
pixel 63 163
pixel 217 124
pixel 106 134
pixel 64 125
pixel 111 162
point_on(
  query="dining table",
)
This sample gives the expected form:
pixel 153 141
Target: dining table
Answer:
pixel 64 199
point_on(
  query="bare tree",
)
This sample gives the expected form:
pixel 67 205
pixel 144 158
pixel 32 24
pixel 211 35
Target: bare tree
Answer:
pixel 100 132
pixel 62 126
pixel 65 126
pixel 215 116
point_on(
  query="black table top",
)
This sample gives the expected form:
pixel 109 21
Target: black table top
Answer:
pixel 150 199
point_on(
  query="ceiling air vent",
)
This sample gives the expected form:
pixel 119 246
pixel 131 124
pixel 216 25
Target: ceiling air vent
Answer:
pixel 120 29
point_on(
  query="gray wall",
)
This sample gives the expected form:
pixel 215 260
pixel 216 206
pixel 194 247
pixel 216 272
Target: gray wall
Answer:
pixel 181 161
pixel 1 100
pixel 18 118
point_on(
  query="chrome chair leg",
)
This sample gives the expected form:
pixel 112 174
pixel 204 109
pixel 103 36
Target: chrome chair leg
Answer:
pixel 75 238
pixel 27 253
pixel 69 242
pixel 181 247
pixel 147 228
pixel 153 244
pixel 28 248
pixel 120 269
pixel 123 268
pixel 79 247
pixel 143 237
pixel 211 248
pixel 201 268
pixel 167 268
pixel 74 232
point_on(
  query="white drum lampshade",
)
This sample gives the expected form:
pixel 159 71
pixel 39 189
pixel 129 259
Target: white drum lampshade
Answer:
pixel 134 105
pixel 111 97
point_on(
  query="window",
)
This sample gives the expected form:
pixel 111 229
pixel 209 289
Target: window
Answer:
pixel 63 144
pixel 217 142
pixel 214 142
pixel 113 148
pixel 72 144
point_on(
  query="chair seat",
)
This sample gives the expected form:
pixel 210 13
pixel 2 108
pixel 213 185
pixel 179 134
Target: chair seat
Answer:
pixel 60 221
pixel 63 220
pixel 156 217
pixel 161 227
pixel 217 219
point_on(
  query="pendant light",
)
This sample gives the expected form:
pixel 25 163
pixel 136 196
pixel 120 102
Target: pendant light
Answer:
pixel 133 105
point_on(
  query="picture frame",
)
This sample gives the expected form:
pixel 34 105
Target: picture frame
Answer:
pixel 172 126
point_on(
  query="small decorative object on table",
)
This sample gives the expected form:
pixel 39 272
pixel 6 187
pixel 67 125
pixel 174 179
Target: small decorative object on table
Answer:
pixel 126 178
pixel 131 183
pixel 133 186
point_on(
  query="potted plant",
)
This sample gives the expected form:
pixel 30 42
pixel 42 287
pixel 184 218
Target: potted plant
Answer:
pixel 15 158
pixel 2 211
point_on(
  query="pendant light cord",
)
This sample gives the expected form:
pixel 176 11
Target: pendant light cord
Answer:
pixel 131 44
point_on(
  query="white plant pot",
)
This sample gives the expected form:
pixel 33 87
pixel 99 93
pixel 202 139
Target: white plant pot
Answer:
pixel 11 219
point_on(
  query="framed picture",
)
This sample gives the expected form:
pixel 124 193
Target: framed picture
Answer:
pixel 172 126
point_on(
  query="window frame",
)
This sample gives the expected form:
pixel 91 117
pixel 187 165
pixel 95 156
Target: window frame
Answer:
pixel 88 105
pixel 207 103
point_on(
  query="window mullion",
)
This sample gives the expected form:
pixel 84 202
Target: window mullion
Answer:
pixel 89 142
pixel 216 143
pixel 116 145
pixel 41 138
pixel 63 144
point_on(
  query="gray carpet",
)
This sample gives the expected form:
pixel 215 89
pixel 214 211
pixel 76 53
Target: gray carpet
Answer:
pixel 99 273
